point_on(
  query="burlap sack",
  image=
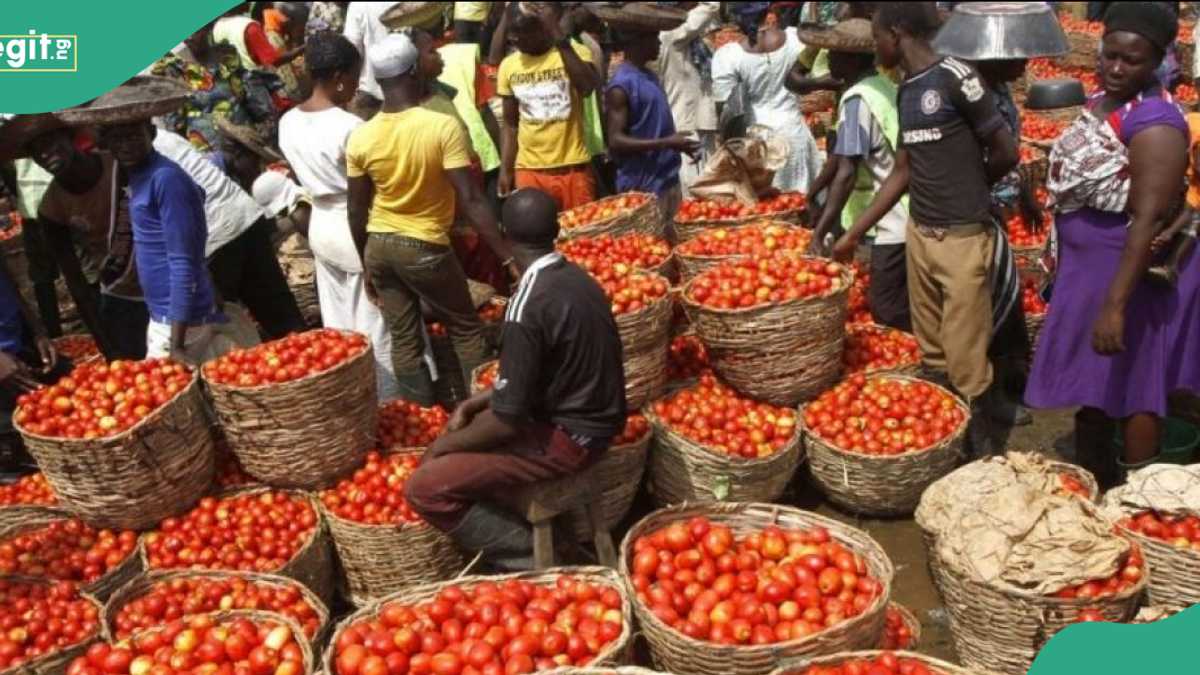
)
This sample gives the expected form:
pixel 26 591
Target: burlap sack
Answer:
pixel 742 168
pixel 1169 489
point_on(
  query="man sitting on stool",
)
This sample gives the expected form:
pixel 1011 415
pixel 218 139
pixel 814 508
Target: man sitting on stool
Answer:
pixel 558 401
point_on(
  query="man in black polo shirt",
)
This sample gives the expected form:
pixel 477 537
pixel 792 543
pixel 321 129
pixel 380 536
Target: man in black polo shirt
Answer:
pixel 953 146
pixel 558 400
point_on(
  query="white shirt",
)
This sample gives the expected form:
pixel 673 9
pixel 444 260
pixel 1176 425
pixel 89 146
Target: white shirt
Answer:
pixel 315 146
pixel 691 103
pixel 230 211
pixel 363 29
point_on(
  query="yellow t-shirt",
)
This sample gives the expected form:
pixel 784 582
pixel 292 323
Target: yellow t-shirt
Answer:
pixel 471 11
pixel 550 132
pixel 406 155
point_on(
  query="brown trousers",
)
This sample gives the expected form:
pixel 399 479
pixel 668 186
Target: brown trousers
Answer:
pixel 951 302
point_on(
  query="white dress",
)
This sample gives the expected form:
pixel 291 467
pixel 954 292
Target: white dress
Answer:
pixel 771 104
pixel 315 146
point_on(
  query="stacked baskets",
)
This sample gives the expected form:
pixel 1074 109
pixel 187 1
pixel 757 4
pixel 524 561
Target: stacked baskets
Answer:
pixel 691 264
pixel 686 230
pixel 645 336
pixel 643 217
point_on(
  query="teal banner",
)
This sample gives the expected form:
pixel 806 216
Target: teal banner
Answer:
pixel 61 53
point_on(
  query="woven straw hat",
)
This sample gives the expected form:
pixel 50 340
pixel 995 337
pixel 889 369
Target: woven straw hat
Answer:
pixel 140 98
pixel 248 138
pixel 851 35
pixel 638 16
pixel 18 130
pixel 413 15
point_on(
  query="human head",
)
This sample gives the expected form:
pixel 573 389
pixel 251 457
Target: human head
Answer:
pixel 530 220
pixel 895 23
pixel 297 20
pixel 749 16
pixel 54 151
pixel 333 64
pixel 130 142
pixel 526 31
pixel 1002 70
pixel 429 60
pixel 1135 40
pixel 200 42
pixel 848 66
pixel 640 47
pixel 394 58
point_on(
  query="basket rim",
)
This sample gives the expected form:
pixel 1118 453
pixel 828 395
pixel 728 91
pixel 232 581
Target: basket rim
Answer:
pixel 796 664
pixel 43 517
pixel 878 327
pixel 658 426
pixel 720 510
pixel 581 231
pixel 375 527
pixel 1143 540
pixel 127 433
pixel 31 665
pixel 883 459
pixel 847 277
pixel 218 386
pixel 774 215
pixel 742 226
pixel 307 648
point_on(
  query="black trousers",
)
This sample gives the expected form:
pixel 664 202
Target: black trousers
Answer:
pixel 888 293
pixel 124 323
pixel 246 271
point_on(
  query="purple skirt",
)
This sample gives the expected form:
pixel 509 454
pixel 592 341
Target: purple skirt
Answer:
pixel 1162 328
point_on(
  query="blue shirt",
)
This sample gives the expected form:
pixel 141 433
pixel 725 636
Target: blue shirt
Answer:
pixel 12 324
pixel 166 208
pixel 649 118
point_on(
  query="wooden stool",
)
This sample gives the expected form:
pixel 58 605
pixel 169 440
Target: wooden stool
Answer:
pixel 541 502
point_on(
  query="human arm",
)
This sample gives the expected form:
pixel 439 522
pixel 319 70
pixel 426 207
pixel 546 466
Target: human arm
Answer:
pixel 977 105
pixel 262 51
pixel 468 409
pixel 45 348
pixel 478 212
pixel 1156 168
pixel 499 43
pixel 580 73
pixel 181 211
pixel 800 81
pixel 840 185
pixel 893 188
pixel 58 237
pixel 1002 154
pixel 617 105
pixel 508 145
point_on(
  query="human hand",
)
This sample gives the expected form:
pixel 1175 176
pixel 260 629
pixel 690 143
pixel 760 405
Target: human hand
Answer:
pixel 685 143
pixel 15 375
pixel 460 418
pixel 843 250
pixel 504 185
pixel 546 14
pixel 1160 242
pixel 48 353
pixel 440 447
pixel 1108 333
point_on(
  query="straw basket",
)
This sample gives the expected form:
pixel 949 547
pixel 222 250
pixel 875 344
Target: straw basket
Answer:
pixel 690 229
pixel 132 480
pixel 798 666
pixel 56 661
pixel 645 341
pixel 1065 115
pixel 1003 629
pixel 142 585
pixel 645 218
pixel 1174 573
pixel 692 265
pixel 782 353
pixel 682 470
pixel 1083 47
pixel 304 433
pixel 381 559
pixel 259 617
pixel 1044 146
pixel 1186 53
pixel 1035 171
pixel 675 652
pixel 910 621
pixel 613 654
pixel 882 485
pixel 1029 261
pixel 313 563
pixel 617 475
pixel 913 368
pixel 34 518
pixel 475 388
pixel 64 343
pixel 1033 325
pixel 619 670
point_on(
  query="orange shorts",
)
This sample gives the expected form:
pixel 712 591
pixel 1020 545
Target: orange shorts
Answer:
pixel 570 188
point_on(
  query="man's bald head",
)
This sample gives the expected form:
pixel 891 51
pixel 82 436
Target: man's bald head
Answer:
pixel 530 217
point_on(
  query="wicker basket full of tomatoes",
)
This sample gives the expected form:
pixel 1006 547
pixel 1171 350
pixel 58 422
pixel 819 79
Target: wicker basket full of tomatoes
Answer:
pixel 872 662
pixel 40 647
pixel 744 242
pixel 298 411
pixel 123 444
pixel 1171 543
pixel 615 215
pixel 696 216
pixel 642 310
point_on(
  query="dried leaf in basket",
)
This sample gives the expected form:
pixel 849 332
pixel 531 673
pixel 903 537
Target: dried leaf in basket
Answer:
pixel 1168 489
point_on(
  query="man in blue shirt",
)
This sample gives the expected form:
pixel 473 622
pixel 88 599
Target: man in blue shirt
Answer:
pixel 166 209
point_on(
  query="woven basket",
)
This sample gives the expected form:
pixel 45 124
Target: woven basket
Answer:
pixel 1044 146
pixel 675 652
pixel 912 369
pixel 1186 53
pixel 1174 574
pixel 799 666
pixel 783 353
pixel 305 433
pixel 32 518
pixel 157 468
pixel 313 563
pixel 1003 630
pixel 619 670
pixel 617 652
pixel 1033 325
pixel 882 485
pixel 689 229
pixel 1029 261
pixel 692 265
pixel 645 340
pixel 475 388
pixel 645 218
pixel 1082 46
pixel 55 662
pixel 143 584
pixel 378 560
pixel 682 470
pixel 259 617
pixel 910 621
pixel 1035 171
pixel 617 475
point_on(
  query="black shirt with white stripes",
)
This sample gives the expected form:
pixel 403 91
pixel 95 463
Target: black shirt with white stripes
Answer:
pixel 560 353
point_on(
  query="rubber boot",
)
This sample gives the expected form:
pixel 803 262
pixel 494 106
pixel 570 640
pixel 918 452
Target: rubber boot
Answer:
pixel 1094 449
pixel 416 386
pixel 979 429
pixel 505 540
pixel 1002 410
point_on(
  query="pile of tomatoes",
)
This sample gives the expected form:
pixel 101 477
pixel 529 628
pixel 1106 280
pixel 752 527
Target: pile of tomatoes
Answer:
pixel 32 489
pixel 286 359
pixel 491 312
pixel 883 415
pixel 174 599
pixel 603 209
pixel 606 257
pixel 705 209
pixel 1186 93
pixel 1040 128
pixel 739 284
pixel 1031 299
pixel 687 358
pixel 65 550
pixel 1030 154
pixel 871 347
pixel 199 645
pixel 404 424
pixel 1127 576
pixel 769 586
pixel 757 241
pixel 634 292
pixel 718 418
pixel 636 426
pixel 506 627
pixel 1021 235
pixel 230 473
pixel 1073 24
pixel 1182 532
pixel 41 618
pixel 98 399
pixel 255 532
pixel 486 378
pixel 860 299
pixel 78 348
pixel 1070 485
pixel 374 494
pixel 11 225
pixel 884 664
pixel 896 632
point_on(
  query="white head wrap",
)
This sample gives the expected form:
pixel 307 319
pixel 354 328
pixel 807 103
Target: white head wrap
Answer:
pixel 394 55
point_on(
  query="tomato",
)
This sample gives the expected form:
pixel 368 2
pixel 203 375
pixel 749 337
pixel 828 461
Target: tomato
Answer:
pixel 65 550
pixel 293 357
pixel 607 257
pixel 691 210
pixel 600 210
pixel 757 240
pixel 870 347
pixel 687 359
pixel 715 416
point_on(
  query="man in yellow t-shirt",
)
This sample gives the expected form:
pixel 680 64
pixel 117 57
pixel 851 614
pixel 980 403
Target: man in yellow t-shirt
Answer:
pixel 406 169
pixel 543 85
pixel 469 21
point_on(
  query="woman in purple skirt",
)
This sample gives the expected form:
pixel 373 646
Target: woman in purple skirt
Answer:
pixel 1109 343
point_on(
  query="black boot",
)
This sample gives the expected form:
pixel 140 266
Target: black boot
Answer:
pixel 1094 449
pixel 505 540
pixel 979 432
pixel 1002 410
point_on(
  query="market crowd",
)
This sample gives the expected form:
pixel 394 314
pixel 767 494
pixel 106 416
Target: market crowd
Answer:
pixel 418 149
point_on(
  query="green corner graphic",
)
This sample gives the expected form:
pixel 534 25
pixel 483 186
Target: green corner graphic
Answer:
pixel 1159 648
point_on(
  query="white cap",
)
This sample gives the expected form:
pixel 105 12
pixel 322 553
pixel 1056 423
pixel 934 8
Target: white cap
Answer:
pixel 276 193
pixel 392 56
